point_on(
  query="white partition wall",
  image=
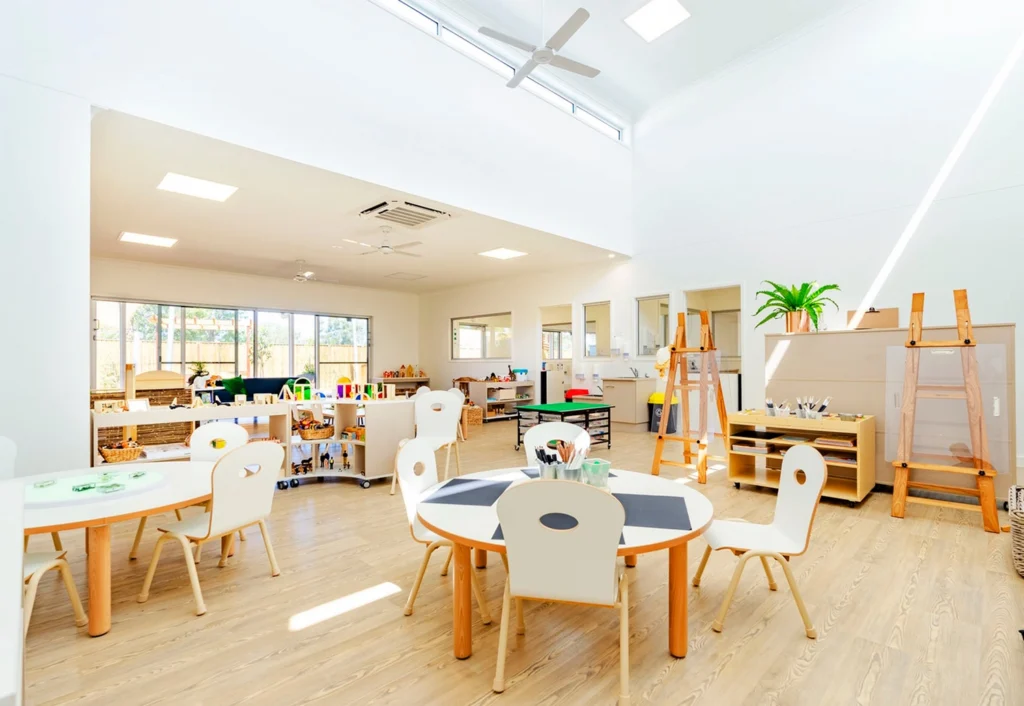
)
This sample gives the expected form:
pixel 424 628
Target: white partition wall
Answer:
pixel 44 275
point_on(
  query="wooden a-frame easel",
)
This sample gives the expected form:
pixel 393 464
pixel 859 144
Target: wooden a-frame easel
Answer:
pixel 708 378
pixel 970 391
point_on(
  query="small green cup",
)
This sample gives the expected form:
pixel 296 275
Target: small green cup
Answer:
pixel 595 472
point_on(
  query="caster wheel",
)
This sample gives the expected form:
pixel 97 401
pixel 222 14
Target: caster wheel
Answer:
pixel 736 485
pixel 320 479
pixel 294 482
pixel 1006 505
pixel 851 503
pixel 281 485
pixel 517 447
pixel 364 484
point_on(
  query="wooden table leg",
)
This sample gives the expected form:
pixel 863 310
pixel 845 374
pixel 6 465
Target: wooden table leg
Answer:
pixel 677 619
pixel 98 564
pixel 480 558
pixel 463 603
pixel 631 560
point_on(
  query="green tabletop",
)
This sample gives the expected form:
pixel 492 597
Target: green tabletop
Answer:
pixel 563 407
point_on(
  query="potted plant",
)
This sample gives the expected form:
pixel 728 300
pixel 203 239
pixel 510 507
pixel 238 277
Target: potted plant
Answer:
pixel 801 305
pixel 199 372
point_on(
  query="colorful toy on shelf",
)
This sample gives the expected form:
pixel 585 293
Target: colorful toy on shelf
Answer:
pixel 345 464
pixel 325 459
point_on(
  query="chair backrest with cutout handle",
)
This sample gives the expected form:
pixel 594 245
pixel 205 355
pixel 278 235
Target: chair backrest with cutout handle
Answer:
pixel 417 471
pixel 540 434
pixel 243 485
pixel 202 443
pixel 437 414
pixel 561 540
pixel 797 501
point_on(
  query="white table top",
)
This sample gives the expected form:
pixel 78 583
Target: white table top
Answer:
pixel 475 525
pixel 183 483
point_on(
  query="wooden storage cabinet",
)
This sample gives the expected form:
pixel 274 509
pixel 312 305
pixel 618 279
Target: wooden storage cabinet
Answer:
pixel 499 399
pixel 628 398
pixel 849 481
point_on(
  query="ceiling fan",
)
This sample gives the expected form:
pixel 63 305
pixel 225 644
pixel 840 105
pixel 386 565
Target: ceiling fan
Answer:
pixel 303 275
pixel 385 248
pixel 547 55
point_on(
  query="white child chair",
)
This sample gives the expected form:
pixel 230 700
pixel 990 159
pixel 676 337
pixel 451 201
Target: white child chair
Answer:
pixel 8 454
pixel 207 443
pixel 243 483
pixel 545 521
pixel 417 472
pixel 541 434
pixel 36 564
pixel 437 416
pixel 802 480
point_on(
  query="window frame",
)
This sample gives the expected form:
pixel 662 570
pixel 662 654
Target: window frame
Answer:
pixel 668 323
pixel 610 338
pixel 453 339
pixel 123 327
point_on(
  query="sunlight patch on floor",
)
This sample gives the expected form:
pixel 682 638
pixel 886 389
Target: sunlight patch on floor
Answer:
pixel 340 606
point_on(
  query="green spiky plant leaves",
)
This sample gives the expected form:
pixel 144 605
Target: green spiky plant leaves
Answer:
pixel 807 297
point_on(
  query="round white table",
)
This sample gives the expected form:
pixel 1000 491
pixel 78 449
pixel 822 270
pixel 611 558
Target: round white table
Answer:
pixel 661 513
pixel 184 483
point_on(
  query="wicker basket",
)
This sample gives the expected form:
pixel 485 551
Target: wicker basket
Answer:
pixel 1017 540
pixel 121 455
pixel 316 434
pixel 474 415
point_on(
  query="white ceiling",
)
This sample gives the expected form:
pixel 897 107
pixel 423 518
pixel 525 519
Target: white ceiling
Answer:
pixel 634 74
pixel 284 211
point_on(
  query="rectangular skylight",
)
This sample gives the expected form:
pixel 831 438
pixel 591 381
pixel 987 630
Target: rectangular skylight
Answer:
pixel 410 15
pixel 464 46
pixel 200 188
pixel 656 17
pixel 142 239
pixel 547 94
pixel 598 124
pixel 502 254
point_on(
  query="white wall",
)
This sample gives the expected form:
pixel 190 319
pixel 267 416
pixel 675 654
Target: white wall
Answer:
pixel 395 326
pixel 809 161
pixel 344 86
pixel 44 276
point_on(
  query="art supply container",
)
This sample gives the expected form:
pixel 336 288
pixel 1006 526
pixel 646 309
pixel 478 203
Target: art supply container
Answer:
pixel 550 471
pixel 595 472
pixel 566 473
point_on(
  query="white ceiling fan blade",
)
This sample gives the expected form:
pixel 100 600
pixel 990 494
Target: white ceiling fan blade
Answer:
pixel 511 41
pixel 522 73
pixel 565 32
pixel 370 252
pixel 576 67
pixel 404 246
pixel 407 254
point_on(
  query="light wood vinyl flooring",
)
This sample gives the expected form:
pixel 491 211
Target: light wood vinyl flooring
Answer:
pixel 917 611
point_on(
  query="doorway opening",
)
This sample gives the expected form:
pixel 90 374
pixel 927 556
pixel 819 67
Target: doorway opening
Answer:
pixel 556 347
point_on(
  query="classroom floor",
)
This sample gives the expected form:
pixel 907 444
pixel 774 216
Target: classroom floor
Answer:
pixel 917 611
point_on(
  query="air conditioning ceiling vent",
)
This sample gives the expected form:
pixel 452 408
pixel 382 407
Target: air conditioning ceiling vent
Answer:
pixel 404 213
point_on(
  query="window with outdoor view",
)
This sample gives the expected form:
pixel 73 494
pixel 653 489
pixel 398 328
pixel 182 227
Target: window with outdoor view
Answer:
pixel 482 337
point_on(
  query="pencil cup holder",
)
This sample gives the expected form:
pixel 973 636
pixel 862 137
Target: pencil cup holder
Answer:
pixel 595 472
pixel 565 473
pixel 770 411
pixel 549 471
pixel 801 414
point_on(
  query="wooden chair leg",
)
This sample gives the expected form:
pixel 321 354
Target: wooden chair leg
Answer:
pixel 144 593
pixel 772 586
pixel 703 563
pixel 193 575
pixel 623 641
pixel 25 548
pixel 81 619
pixel 133 554
pixel 808 627
pixel 458 461
pixel 177 514
pixel 499 670
pixel 481 602
pixel 57 545
pixel 274 570
pixel 30 595
pixel 199 552
pixel 419 576
pixel 447 461
pixel 241 535
pixel 394 479
pixel 226 544
pixel 447 562
pixel 720 620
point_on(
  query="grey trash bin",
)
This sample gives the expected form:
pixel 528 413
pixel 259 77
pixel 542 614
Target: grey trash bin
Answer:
pixel 654 413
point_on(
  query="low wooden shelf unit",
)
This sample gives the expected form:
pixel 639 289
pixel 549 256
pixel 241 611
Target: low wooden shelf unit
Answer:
pixel 849 479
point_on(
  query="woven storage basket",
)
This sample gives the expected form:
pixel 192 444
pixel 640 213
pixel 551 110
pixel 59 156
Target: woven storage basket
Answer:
pixel 316 434
pixel 121 455
pixel 1017 540
pixel 474 415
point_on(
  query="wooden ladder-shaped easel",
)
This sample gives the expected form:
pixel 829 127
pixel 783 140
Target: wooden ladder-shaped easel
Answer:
pixel 708 378
pixel 971 392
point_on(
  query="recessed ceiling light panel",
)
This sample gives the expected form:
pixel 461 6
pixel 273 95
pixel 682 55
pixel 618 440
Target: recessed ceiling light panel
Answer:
pixel 502 254
pixel 200 188
pixel 142 239
pixel 656 17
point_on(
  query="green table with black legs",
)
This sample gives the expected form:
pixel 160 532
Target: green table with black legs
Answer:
pixel 596 419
